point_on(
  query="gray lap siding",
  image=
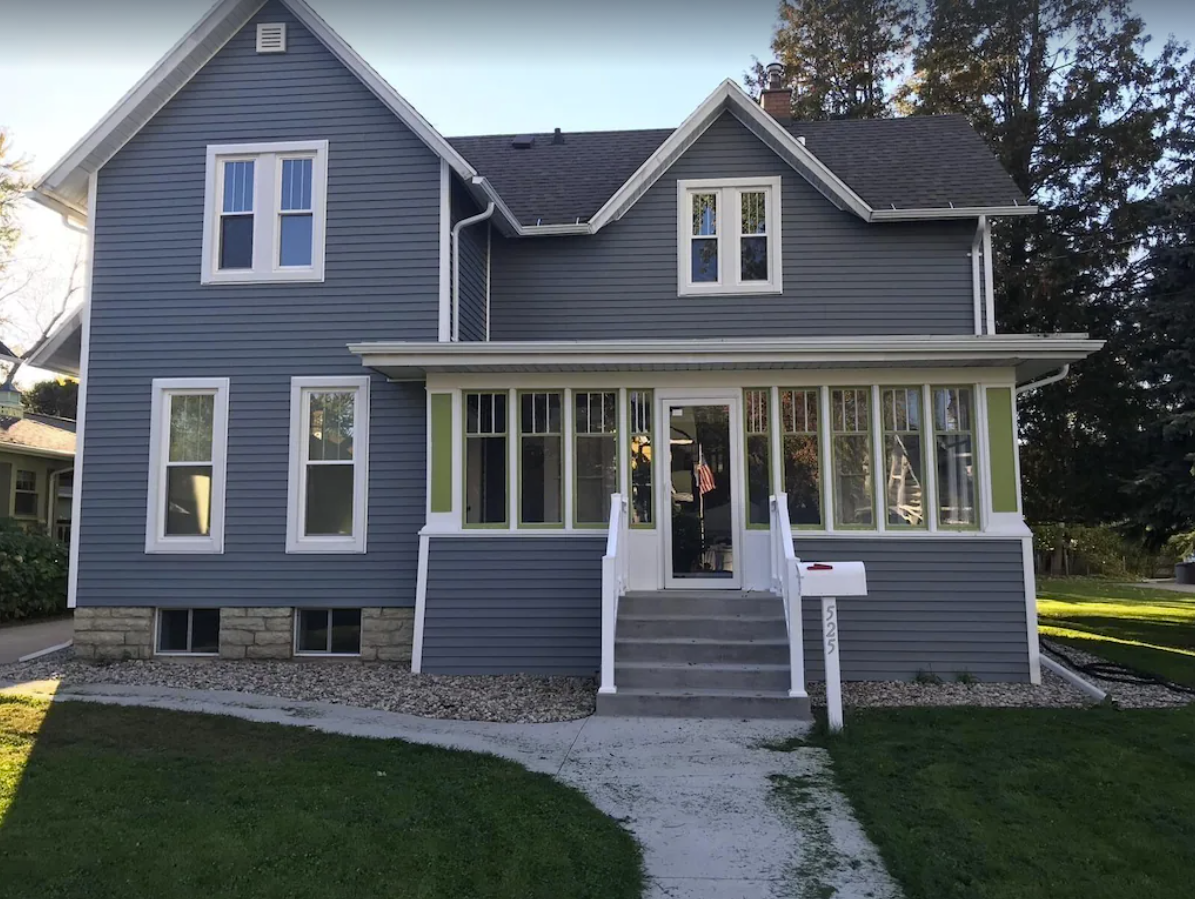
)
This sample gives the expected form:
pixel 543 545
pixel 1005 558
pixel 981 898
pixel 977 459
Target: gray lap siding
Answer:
pixel 841 275
pixel 151 318
pixel 947 606
pixel 499 605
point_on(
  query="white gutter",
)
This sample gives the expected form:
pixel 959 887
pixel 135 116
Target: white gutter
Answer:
pixel 989 277
pixel 946 212
pixel 456 266
pixel 1043 382
pixel 976 245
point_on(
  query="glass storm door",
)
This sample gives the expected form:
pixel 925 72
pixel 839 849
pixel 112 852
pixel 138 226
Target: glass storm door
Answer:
pixel 703 491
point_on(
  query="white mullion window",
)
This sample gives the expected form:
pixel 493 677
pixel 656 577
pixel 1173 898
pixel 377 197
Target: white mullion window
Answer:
pixel 327 495
pixel 728 236
pixel 188 461
pixel 265 212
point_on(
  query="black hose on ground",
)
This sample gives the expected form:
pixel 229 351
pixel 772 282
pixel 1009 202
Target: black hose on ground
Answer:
pixel 1116 673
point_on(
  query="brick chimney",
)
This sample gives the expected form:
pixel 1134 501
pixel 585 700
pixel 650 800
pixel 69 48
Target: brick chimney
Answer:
pixel 776 98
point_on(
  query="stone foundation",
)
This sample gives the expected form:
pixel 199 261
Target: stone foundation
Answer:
pixel 114 634
pixel 387 635
pixel 121 633
pixel 257 633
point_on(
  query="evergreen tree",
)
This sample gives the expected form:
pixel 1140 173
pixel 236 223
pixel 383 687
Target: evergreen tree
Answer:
pixel 59 398
pixel 841 55
pixel 1076 108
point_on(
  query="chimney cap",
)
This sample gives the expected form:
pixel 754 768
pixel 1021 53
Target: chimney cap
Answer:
pixel 775 76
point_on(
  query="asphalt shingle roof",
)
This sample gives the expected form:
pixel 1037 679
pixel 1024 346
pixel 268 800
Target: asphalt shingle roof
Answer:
pixel 38 432
pixel 916 162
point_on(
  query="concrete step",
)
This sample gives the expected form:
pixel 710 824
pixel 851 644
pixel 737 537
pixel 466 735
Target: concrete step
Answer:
pixel 681 676
pixel 707 627
pixel 687 603
pixel 703 704
pixel 697 651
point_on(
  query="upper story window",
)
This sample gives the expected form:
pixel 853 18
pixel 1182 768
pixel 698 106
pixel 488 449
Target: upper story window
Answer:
pixel 264 212
pixel 728 233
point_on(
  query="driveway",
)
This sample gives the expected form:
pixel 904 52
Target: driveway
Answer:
pixel 17 640
pixel 700 795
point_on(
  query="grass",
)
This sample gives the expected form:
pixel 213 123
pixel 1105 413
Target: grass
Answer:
pixel 103 801
pixel 1027 803
pixel 1152 630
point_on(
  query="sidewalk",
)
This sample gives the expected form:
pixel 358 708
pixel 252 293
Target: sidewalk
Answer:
pixel 17 640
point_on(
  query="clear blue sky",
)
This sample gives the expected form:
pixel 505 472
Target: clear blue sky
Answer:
pixel 470 66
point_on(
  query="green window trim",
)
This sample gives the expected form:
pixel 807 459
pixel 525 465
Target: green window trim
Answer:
pixel 647 397
pixel 868 433
pixel 504 524
pixel 441 461
pixel 518 499
pixel 752 410
pixel 1002 449
pixel 615 434
pixel 816 435
pixel 976 463
pixel 918 391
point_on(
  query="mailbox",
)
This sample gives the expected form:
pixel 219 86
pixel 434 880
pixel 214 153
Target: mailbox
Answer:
pixel 833 579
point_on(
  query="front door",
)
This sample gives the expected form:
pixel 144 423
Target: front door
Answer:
pixel 701 514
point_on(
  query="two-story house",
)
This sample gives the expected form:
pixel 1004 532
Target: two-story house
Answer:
pixel 352 388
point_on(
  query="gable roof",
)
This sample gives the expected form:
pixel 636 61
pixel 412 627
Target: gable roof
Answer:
pixel 64 187
pixel 38 434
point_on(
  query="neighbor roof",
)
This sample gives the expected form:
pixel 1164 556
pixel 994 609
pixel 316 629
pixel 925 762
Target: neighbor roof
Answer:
pixel 920 162
pixel 43 433
pixel 7 355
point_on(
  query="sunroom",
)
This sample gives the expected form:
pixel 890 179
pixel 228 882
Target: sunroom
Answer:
pixel 867 437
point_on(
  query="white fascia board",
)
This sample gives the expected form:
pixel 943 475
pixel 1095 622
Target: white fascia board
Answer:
pixel 20 449
pixel 948 212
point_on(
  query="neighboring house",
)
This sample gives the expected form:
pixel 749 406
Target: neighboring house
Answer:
pixel 352 388
pixel 37 460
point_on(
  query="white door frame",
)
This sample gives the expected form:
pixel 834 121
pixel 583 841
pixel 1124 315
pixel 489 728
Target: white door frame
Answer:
pixel 731 397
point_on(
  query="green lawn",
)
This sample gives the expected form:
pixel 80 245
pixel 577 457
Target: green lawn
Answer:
pixel 1025 804
pixel 102 801
pixel 1149 629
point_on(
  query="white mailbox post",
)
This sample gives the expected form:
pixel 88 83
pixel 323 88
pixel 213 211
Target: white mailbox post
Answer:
pixel 830 580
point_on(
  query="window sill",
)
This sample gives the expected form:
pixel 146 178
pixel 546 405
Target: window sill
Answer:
pixel 722 291
pixel 184 548
pixel 327 655
pixel 310 276
pixel 331 547
pixel 181 654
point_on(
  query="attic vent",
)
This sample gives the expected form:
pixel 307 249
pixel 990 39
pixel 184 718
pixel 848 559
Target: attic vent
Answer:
pixel 271 37
pixel 523 142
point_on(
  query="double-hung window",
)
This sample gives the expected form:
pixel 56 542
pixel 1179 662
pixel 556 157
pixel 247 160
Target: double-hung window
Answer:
pixel 24 501
pixel 728 234
pixel 329 465
pixel 265 211
pixel 188 450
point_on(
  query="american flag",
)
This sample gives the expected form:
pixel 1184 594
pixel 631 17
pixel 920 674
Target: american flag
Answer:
pixel 705 475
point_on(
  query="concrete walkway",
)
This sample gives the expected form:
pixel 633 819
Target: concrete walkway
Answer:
pixel 702 796
pixel 17 640
pixel 1167 585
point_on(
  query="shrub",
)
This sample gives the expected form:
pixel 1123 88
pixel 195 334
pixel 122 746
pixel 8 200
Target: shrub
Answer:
pixel 1102 550
pixel 33 573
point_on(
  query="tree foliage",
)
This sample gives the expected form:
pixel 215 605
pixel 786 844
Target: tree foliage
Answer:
pixel 1081 109
pixel 58 398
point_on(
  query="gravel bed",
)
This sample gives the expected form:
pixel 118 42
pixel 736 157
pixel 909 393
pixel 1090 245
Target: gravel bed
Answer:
pixel 1128 696
pixel 510 698
pixel 1053 692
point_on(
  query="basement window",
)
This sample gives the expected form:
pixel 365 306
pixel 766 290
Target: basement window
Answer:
pixel 188 631
pixel 335 632
pixel 728 236
pixel 264 212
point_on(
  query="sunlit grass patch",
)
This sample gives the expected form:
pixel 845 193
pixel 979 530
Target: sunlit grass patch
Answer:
pixel 21 719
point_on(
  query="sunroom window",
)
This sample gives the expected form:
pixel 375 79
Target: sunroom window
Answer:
pixel 641 451
pixel 265 212
pixel 729 232
pixel 541 459
pixel 759 454
pixel 486 475
pixel 596 440
pixel 801 449
pixel 904 500
pixel 954 448
pixel 850 416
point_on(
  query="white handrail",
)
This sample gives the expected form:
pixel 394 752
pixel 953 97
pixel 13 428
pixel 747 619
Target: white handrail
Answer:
pixel 786 583
pixel 615 575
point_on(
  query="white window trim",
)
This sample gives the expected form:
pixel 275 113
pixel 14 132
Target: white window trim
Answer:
pixel 326 654
pixel 296 489
pixel 190 610
pixel 729 228
pixel 267 177
pixel 156 540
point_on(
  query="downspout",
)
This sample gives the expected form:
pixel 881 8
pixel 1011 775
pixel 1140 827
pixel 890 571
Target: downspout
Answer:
pixel 975 249
pixel 456 268
pixel 989 278
pixel 1049 379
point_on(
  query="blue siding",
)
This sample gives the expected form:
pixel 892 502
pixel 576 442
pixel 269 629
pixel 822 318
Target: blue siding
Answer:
pixel 841 275
pixel 946 606
pixel 152 319
pixel 498 605
pixel 473 265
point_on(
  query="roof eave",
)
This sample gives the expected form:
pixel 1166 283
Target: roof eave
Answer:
pixel 948 212
pixel 22 449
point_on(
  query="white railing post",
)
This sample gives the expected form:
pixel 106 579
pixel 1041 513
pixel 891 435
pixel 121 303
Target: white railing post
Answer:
pixel 786 582
pixel 615 572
